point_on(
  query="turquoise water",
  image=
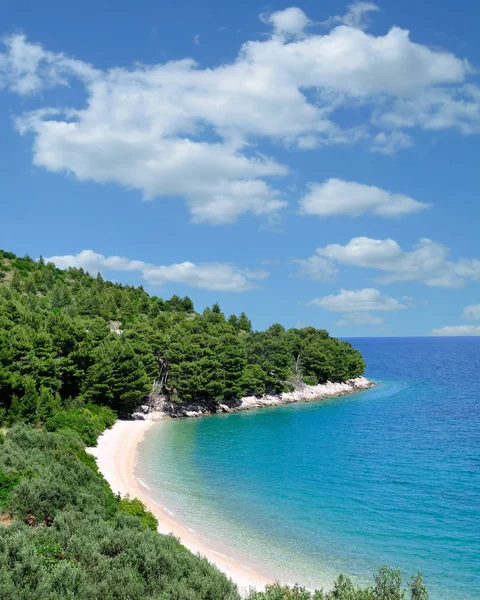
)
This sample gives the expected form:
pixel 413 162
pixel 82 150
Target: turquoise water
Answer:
pixel 387 476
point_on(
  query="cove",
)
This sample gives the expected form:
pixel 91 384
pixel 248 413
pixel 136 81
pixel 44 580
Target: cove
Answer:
pixel 387 476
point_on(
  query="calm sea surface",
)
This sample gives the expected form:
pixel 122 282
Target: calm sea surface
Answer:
pixel 388 476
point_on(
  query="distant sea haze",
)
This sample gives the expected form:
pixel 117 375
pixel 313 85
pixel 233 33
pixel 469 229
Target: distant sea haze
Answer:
pixel 305 491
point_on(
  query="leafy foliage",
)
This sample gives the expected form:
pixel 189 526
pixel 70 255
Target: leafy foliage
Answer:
pixel 137 508
pixel 387 586
pixel 72 538
pixel 68 339
pixel 89 425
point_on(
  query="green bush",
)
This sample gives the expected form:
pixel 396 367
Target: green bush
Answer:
pixel 86 543
pixel 7 482
pixel 136 508
pixel 387 586
pixel 89 425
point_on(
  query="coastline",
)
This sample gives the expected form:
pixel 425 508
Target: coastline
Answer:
pixel 116 458
pixel 159 407
pixel 115 454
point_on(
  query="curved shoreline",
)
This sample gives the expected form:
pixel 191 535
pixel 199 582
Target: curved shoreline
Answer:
pixel 115 454
pixel 159 407
pixel 116 458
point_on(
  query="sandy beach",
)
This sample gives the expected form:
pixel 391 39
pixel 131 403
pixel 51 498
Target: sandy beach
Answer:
pixel 115 455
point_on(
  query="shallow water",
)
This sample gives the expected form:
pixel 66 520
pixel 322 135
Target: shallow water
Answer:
pixel 387 476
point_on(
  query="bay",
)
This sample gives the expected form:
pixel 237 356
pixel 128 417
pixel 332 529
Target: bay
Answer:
pixel 305 491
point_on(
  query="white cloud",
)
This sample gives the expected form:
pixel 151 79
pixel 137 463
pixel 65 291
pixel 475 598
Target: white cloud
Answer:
pixel 213 276
pixel 472 312
pixel 27 68
pixel 391 142
pixel 146 127
pixel 427 262
pixel 359 319
pixel 222 277
pixel 291 21
pixel 196 39
pixel 356 16
pixel 347 198
pixel 315 267
pixel 459 330
pixel 218 182
pixel 348 301
pixel 93 262
pixel 435 110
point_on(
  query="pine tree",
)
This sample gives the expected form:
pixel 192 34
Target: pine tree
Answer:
pixel 48 404
pixel 244 323
pixel 14 413
pixel 233 320
pixel 28 402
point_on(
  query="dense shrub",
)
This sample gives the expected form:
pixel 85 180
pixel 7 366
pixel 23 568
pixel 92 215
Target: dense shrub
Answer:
pixel 72 538
pixel 136 508
pixel 87 423
pixel 387 585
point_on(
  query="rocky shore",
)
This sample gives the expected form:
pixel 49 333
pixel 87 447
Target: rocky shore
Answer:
pixel 159 407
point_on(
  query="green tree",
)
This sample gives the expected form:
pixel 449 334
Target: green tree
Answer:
pixel 48 404
pixel 418 591
pixel 28 402
pixel 244 323
pixel 14 414
pixel 252 381
pixel 117 376
pixel 388 585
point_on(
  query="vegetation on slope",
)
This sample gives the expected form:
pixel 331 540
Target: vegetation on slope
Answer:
pixel 72 538
pixel 70 341
pixel 67 536
pixel 75 351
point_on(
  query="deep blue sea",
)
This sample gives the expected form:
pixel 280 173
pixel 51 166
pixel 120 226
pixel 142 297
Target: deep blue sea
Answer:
pixel 388 476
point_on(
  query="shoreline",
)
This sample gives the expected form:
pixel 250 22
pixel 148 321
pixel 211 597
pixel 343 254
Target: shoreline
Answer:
pixel 115 454
pixel 116 458
pixel 159 407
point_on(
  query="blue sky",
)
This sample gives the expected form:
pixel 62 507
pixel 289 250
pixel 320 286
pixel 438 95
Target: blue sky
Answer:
pixel 308 163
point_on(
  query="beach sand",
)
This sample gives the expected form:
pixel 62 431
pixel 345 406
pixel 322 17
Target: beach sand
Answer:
pixel 115 455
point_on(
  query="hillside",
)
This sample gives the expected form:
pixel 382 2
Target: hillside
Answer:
pixel 71 340
pixel 75 352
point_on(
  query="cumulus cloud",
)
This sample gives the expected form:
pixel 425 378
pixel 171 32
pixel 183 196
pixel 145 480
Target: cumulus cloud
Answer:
pixel 176 129
pixel 391 142
pixel 291 21
pixel 360 319
pixel 355 301
pixel 347 198
pixel 427 262
pixel 356 16
pixel 27 68
pixel 459 330
pixel 212 276
pixel 93 262
pixel 222 277
pixel 435 110
pixel 315 267
pixel 472 312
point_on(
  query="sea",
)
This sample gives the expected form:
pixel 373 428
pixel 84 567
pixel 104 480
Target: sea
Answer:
pixel 389 476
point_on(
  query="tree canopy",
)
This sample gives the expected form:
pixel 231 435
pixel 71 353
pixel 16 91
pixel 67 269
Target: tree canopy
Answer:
pixel 69 340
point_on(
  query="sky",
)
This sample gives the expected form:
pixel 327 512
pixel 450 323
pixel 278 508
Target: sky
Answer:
pixel 309 163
